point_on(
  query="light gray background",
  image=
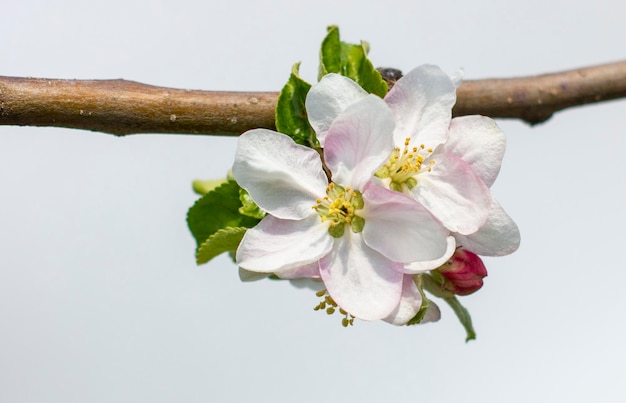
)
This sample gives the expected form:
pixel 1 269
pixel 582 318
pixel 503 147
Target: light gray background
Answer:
pixel 100 298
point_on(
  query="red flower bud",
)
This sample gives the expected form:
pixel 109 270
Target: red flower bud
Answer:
pixel 463 273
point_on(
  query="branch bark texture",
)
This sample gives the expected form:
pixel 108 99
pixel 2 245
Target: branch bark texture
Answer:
pixel 123 107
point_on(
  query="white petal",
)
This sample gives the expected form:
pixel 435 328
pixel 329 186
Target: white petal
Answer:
pixel 454 194
pixel 433 314
pixel 282 177
pixel 410 303
pixel 361 280
pixel 359 141
pixel 499 235
pixel 277 245
pixel 422 103
pixel 479 142
pixel 457 77
pixel 421 267
pixel 400 228
pixel 327 99
pixel 309 270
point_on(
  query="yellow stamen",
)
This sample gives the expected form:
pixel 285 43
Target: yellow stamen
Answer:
pixel 329 305
pixel 403 167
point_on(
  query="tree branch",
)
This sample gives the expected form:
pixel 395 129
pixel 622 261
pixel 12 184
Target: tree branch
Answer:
pixel 123 107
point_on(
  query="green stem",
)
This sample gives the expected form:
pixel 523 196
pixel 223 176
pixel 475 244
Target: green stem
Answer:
pixel 431 285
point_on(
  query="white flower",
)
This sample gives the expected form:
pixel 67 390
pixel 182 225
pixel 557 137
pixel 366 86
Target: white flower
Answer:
pixel 356 236
pixel 446 164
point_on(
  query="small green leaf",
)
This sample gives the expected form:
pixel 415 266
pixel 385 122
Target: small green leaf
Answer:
pixel 423 308
pixel 216 210
pixel 464 317
pixel 291 116
pixel 330 53
pixel 248 206
pixel 203 187
pixel 421 313
pixel 350 60
pixel 224 240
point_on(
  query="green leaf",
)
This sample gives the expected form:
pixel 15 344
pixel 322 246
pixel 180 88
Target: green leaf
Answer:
pixel 464 317
pixel 248 206
pixel 425 304
pixel 291 116
pixel 350 60
pixel 216 210
pixel 203 187
pixel 224 240
pixel 330 53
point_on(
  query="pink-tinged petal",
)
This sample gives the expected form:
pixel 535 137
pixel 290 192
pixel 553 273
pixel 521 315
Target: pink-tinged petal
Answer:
pixel 282 177
pixel 399 227
pixel 454 194
pixel 424 266
pixel 359 141
pixel 422 102
pixel 410 303
pixel 479 142
pixel 327 99
pixel 499 236
pixel 361 280
pixel 309 270
pixel 463 274
pixel 277 245
pixel 433 314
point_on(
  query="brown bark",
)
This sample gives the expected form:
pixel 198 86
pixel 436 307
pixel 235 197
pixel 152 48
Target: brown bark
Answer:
pixel 125 107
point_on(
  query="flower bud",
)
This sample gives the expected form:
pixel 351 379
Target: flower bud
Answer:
pixel 463 273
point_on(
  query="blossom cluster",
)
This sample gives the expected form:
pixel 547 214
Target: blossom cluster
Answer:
pixel 400 191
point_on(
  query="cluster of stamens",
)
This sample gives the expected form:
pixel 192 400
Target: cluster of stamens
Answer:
pixel 404 164
pixel 339 207
pixel 330 306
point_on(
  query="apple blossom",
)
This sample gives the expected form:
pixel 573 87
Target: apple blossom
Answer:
pixel 355 236
pixel 446 164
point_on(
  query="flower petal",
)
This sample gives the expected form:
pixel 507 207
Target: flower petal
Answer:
pixel 454 194
pixel 422 102
pixel 433 314
pixel 359 141
pixel 410 303
pixel 400 228
pixel 277 245
pixel 309 270
pixel 361 280
pixel 327 99
pixel 422 267
pixel 479 142
pixel 282 177
pixel 499 236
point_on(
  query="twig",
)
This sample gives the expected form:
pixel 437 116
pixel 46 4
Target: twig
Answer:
pixel 123 107
pixel 535 99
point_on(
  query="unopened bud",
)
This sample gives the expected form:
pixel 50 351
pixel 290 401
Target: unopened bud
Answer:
pixel 463 273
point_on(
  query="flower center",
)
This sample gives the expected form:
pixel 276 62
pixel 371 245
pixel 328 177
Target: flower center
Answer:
pixel 339 206
pixel 404 165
